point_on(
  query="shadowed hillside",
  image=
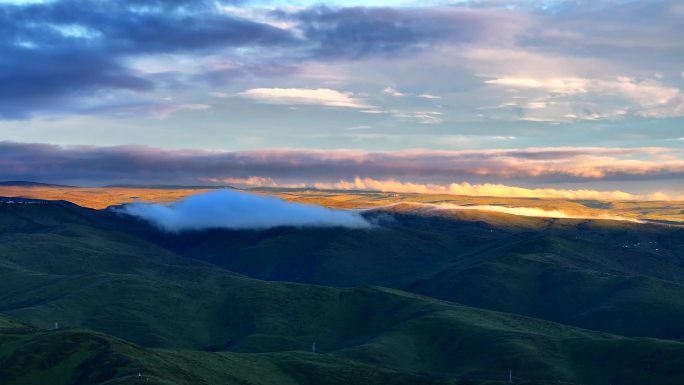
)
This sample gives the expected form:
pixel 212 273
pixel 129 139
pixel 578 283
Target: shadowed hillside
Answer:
pixel 99 270
pixel 33 356
pixel 588 273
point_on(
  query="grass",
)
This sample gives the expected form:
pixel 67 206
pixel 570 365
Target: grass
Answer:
pixel 592 274
pixel 33 356
pixel 194 322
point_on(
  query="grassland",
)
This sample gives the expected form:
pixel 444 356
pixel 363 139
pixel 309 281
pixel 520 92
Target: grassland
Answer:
pixel 424 298
pixel 99 198
pixel 588 273
pixel 102 197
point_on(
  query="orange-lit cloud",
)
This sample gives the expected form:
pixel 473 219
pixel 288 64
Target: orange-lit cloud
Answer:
pixel 486 189
pixel 464 188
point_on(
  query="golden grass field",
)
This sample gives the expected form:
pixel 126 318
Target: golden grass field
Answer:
pixel 102 197
pixel 97 197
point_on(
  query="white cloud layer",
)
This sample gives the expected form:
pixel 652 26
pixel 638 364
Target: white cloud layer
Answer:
pixel 393 92
pixel 468 189
pixel 311 96
pixel 230 209
pixel 566 99
pixel 464 189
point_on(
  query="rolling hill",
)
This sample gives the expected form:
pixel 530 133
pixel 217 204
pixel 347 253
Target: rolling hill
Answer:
pixel 588 273
pixel 119 276
pixel 72 356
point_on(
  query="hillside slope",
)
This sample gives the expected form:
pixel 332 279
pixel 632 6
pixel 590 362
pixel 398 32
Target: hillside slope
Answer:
pixel 619 277
pixel 83 268
pixel 63 357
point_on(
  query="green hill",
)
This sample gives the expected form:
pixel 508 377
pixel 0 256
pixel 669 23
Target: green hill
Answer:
pixel 619 277
pixel 550 278
pixel 99 271
pixel 33 356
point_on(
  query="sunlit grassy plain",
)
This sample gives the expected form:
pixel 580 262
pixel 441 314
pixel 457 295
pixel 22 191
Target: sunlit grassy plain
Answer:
pixel 102 197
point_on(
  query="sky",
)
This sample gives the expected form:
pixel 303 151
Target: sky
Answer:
pixel 527 98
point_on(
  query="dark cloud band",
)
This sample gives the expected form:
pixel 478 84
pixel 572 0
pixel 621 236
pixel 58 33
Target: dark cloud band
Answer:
pixel 137 164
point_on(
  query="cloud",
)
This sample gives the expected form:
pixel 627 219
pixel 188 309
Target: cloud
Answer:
pixel 423 117
pixel 564 99
pixel 36 81
pixel 217 94
pixel 318 96
pixel 393 92
pixel 429 96
pixel 463 188
pixel 522 211
pixel 156 110
pixel 467 189
pixel 124 164
pixel 360 127
pixel 558 85
pixel 360 32
pixel 229 209
pixel 221 71
pixel 645 91
pixel 57 52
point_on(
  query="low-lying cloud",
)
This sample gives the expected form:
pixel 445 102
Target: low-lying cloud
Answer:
pixel 230 209
pixel 526 212
pixel 463 188
pixel 486 189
